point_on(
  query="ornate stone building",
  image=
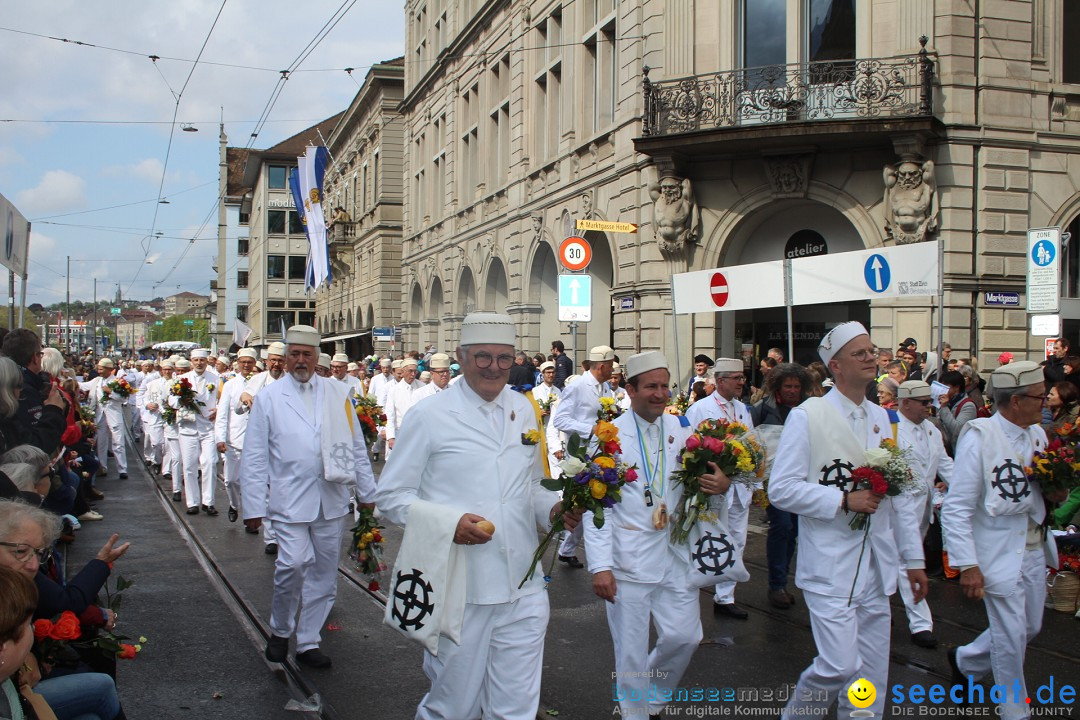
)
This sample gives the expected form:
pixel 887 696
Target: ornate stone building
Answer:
pixel 365 179
pixel 762 127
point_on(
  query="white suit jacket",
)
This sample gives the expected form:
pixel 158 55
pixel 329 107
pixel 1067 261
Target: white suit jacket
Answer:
pixel 281 466
pixel 97 402
pixel 205 387
pixel 717 407
pixel 230 425
pixel 453 458
pixel 578 405
pixel 399 401
pixel 928 460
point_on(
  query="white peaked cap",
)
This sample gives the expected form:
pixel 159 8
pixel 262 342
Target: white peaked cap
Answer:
pixel 838 337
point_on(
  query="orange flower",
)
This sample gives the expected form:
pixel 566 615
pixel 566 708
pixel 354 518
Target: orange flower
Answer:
pixel 42 628
pixel 66 628
pixel 604 461
pixel 606 432
pixel 597 489
pixel 127 652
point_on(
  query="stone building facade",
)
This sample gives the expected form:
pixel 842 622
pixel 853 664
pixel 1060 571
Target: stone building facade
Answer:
pixel 365 179
pixel 522 117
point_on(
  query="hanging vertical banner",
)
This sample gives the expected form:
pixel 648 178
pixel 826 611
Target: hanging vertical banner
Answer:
pixel 310 171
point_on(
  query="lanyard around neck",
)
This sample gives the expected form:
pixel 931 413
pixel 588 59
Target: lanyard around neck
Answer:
pixel 654 472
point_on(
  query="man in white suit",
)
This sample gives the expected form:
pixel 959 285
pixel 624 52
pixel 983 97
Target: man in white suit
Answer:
pixel 466 449
pixel 439 365
pixel 991 522
pixel 196 428
pixel 275 370
pixel 108 410
pixel 230 425
pixel 928 459
pixel 400 400
pixel 824 440
pixel 724 404
pixel 635 567
pixel 296 425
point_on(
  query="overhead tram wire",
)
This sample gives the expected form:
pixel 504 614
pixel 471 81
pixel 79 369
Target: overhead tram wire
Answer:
pixel 121 205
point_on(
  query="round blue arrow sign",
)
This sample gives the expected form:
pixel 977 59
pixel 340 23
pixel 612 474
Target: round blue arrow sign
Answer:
pixel 877 274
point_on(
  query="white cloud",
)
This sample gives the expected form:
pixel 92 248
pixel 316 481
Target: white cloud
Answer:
pixel 58 191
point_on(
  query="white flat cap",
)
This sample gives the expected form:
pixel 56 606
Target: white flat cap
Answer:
pixel 106 362
pixel 644 362
pixel 913 389
pixel 426 375
pixel 439 361
pixel 323 361
pixel 385 362
pixel 276 348
pixel 248 353
pixel 727 365
pixel 166 363
pixel 1017 374
pixel 409 362
pixel 303 335
pixel 259 365
pixel 487 328
pixel 838 337
pixel 547 366
pixel 183 364
pixel 340 357
pixel 200 353
pixel 601 353
pixel 616 369
pixel 352 366
pixel 395 365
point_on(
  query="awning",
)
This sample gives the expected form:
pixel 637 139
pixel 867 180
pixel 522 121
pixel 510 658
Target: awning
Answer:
pixel 345 336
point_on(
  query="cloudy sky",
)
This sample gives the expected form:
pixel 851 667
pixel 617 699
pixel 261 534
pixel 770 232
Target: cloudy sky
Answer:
pixel 85 131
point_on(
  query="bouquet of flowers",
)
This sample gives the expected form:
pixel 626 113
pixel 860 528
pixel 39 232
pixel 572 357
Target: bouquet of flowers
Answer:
pixel 546 405
pixel 168 414
pixel 119 387
pixel 370 415
pixel 1058 466
pixel 183 390
pixel 727 445
pixel 886 472
pixel 366 547
pixel 56 638
pixel 679 402
pixel 588 481
pixel 609 410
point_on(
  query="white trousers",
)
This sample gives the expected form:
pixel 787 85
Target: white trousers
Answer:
pixel 641 676
pixel 110 436
pixel 852 643
pixel 232 474
pixel 738 517
pixel 199 458
pixel 153 442
pixel 571 540
pixel 494 673
pixel 305 576
pixel 136 417
pixel 1014 621
pixel 175 463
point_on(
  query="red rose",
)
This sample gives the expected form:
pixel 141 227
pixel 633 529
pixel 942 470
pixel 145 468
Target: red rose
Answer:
pixel 373 586
pixel 693 442
pixel 878 484
pixel 612 447
pixel 66 628
pixel 631 475
pixel 127 652
pixel 42 628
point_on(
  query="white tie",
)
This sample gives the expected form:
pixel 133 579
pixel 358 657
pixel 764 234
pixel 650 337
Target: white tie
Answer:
pixel 494 414
pixel 309 401
pixel 858 423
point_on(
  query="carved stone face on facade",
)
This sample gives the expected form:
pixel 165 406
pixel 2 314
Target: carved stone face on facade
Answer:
pixel 586 205
pixel 909 175
pixel 911 203
pixel 669 186
pixel 675 214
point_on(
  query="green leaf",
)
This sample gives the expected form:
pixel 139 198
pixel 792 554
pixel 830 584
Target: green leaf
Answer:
pixel 573 444
pixel 551 484
pixel 598 517
pixel 553 713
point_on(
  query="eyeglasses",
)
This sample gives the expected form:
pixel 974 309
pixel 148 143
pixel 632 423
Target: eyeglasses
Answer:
pixel 1040 398
pixel 864 354
pixel 483 360
pixel 444 371
pixel 925 403
pixel 24 552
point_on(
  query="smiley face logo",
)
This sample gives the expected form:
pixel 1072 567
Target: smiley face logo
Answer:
pixel 862 693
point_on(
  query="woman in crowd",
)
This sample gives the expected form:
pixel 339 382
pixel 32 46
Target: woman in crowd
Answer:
pixel 17 601
pixel 887 392
pixel 1063 402
pixel 11 432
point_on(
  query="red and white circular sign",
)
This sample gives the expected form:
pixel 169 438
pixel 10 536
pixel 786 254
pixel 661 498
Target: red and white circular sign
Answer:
pixel 575 253
pixel 718 288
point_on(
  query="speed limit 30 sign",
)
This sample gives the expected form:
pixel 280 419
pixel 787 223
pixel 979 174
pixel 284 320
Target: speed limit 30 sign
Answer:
pixel 575 253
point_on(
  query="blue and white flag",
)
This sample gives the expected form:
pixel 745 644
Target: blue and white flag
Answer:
pixel 312 168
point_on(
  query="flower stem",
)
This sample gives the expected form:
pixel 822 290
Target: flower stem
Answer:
pixel 858 565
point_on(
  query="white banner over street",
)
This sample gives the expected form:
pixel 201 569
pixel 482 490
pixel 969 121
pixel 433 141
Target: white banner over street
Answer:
pixel 888 272
pixel 739 287
pixel 15 236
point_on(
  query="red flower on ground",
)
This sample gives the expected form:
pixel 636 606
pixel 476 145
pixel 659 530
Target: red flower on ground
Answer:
pixel 127 652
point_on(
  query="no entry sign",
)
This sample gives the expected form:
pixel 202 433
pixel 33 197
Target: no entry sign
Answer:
pixel 718 288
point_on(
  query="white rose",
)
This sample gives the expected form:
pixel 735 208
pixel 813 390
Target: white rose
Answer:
pixel 571 466
pixel 877 457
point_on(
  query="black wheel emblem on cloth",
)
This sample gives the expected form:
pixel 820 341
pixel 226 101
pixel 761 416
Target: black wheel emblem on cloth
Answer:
pixel 1011 481
pixel 713 554
pixel 836 475
pixel 412 593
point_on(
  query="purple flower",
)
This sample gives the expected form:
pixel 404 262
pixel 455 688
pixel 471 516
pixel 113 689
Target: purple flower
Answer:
pixel 582 478
pixel 611 476
pixel 607 502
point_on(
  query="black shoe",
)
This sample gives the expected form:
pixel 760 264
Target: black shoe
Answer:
pixel 123 476
pixel 730 610
pixel 571 560
pixel 313 658
pixel 277 649
pixel 166 476
pixel 176 497
pixel 210 510
pixel 233 515
pixel 781 599
pixel 95 494
pixel 958 677
pixel 251 530
pixel 271 548
pixel 924 639
pixel 193 510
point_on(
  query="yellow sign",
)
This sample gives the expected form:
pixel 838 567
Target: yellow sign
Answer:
pixel 606 226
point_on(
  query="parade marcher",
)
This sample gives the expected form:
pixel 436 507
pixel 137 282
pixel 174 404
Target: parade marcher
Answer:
pixel 171 433
pixel 303 462
pixel 196 427
pixel 400 400
pixel 824 440
pixel 138 415
pixel 108 410
pixel 576 413
pixel 546 395
pixel 787 386
pixel 702 369
pixel 322 365
pixel 275 361
pixel 724 404
pixel 928 460
pixel 564 366
pixel 440 377
pixel 379 388
pixel 339 370
pixel 635 566
pixel 230 425
pixel 466 453
pixel 153 424
pixel 618 387
pixel 992 526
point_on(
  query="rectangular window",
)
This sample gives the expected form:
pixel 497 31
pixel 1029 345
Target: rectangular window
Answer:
pixel 275 303
pixel 375 190
pixel 242 313
pixel 764 33
pixel 242 246
pixel 297 264
pixel 241 279
pixel 600 78
pixel 831 30
pixel 275 267
pixel 364 189
pixel 296 224
pixel 274 319
pixel 277 177
pixel 244 218
pixel 275 222
pixel 1070 49
pixel 298 304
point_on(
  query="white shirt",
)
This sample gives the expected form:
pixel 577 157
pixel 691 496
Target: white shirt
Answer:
pixel 230 425
pixel 380 387
pixel 578 405
pixel 399 401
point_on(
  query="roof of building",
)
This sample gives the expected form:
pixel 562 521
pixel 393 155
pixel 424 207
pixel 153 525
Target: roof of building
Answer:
pixel 187 294
pixel 288 149
pixel 235 158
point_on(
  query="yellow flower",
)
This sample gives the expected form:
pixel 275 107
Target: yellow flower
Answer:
pixel 367 537
pixel 606 432
pixel 605 462
pixel 737 428
pixel 597 489
pixel 532 436
pixel 607 403
pixel 1043 464
pixel 745 463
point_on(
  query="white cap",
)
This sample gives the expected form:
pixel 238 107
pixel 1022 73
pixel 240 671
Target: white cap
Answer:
pixel 487 328
pixel 601 353
pixel 395 365
pixel 409 362
pixel 727 365
pixel 385 362
pixel 303 335
pixel 323 361
pixel 276 348
pixel 340 357
pixel 247 353
pixel 426 375
pixel 838 337
pixel 547 366
pixel 439 361
pixel 1017 374
pixel 616 369
pixel 352 366
pixel 200 353
pixel 644 362
pixel 183 364
pixel 259 365
pixel 106 362
pixel 913 389
pixel 167 363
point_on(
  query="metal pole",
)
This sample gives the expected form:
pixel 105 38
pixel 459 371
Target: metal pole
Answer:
pixel 787 304
pixel 11 299
pixel 573 344
pixel 675 328
pixel 941 305
pixel 22 290
pixel 95 316
pixel 67 306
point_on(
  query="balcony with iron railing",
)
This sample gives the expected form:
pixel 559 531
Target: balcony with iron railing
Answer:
pixel 817 100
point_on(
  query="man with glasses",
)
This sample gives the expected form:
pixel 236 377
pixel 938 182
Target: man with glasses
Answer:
pixel 467 451
pixel 439 367
pixel 928 460
pixel 400 400
pixel 846 575
pixel 992 522
pixel 724 404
